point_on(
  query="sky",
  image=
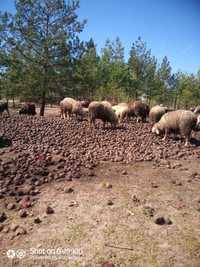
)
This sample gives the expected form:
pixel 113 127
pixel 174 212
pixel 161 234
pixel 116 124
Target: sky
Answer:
pixel 169 27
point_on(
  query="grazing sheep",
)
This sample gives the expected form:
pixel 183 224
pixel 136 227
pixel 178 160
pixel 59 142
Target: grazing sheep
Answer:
pixel 28 109
pixel 3 107
pixel 70 106
pixel 103 111
pixel 121 110
pixel 139 109
pixel 85 102
pixel 156 113
pixel 183 121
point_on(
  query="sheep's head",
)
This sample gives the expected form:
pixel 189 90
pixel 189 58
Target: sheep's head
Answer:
pixel 155 129
pixel 198 123
pixel 77 109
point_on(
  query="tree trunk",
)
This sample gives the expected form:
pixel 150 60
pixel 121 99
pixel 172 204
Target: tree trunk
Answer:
pixel 136 94
pixel 43 104
pixel 44 86
pixel 176 100
pixel 13 102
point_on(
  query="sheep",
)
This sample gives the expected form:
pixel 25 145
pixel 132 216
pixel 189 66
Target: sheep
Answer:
pixel 85 102
pixel 3 107
pixel 139 109
pixel 106 103
pixel 121 110
pixel 69 105
pixel 28 109
pixel 102 110
pixel 183 121
pixel 156 113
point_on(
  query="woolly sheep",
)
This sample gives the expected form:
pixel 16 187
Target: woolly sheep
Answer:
pixel 156 113
pixel 70 106
pixel 103 111
pixel 183 121
pixel 121 110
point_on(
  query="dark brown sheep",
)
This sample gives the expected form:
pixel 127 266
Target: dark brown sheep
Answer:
pixel 28 109
pixel 139 109
pixel 103 111
pixel 3 107
pixel 85 102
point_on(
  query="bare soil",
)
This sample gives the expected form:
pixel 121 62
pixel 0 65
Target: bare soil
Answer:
pixel 110 217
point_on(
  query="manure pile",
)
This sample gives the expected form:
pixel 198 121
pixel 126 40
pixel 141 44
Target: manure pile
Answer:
pixel 47 149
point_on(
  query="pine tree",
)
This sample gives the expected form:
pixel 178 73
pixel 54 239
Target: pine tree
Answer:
pixel 45 33
pixel 86 72
pixel 142 67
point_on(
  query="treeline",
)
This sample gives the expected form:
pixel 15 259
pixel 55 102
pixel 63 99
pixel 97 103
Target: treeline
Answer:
pixel 42 59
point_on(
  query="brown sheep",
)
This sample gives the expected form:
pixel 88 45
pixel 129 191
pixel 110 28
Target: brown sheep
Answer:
pixel 183 121
pixel 139 109
pixel 70 106
pixel 103 111
pixel 85 102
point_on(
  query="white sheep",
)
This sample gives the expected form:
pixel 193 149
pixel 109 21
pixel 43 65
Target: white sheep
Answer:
pixel 183 121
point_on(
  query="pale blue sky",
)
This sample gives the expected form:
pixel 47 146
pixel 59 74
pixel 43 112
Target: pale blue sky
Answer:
pixel 169 27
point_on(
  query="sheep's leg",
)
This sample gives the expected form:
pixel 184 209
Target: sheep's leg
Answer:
pixel 125 118
pixel 144 119
pixel 113 125
pixel 89 120
pixel 62 114
pixel 165 136
pixel 187 139
pixel 92 122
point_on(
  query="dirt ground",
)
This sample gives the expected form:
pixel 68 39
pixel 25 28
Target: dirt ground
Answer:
pixel 110 217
